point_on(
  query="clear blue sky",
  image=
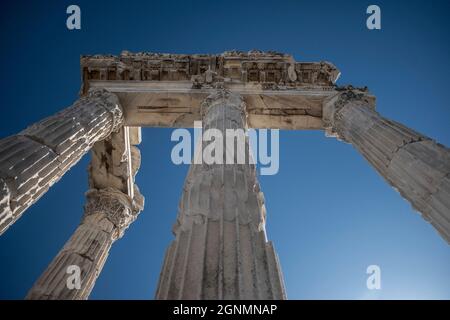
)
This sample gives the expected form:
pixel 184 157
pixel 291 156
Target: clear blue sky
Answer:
pixel 330 215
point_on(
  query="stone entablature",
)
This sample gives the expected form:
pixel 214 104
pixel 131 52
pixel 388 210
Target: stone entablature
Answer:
pixel 166 90
pixel 271 70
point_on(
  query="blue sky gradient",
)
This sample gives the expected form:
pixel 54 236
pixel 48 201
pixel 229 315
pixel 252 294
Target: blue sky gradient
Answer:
pixel 330 215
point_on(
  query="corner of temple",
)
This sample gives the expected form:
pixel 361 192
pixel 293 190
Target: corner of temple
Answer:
pixel 331 71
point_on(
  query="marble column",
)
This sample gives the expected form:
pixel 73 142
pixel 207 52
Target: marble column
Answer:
pixel 34 159
pixel 110 208
pixel 220 249
pixel 415 165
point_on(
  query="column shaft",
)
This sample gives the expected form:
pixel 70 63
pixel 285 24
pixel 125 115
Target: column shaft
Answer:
pixel 220 249
pixel 415 165
pixel 33 160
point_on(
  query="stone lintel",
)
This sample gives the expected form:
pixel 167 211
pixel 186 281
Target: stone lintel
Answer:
pixel 176 104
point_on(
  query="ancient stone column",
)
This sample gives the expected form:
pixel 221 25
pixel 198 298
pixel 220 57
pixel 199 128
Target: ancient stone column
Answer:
pixel 33 160
pixel 220 249
pixel 415 165
pixel 110 208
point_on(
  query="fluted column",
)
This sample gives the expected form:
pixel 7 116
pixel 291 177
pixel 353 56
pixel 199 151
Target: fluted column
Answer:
pixel 110 208
pixel 220 249
pixel 33 160
pixel 415 165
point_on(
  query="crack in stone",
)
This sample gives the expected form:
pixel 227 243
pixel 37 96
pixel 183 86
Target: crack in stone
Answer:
pixel 84 256
pixel 40 141
pixel 418 139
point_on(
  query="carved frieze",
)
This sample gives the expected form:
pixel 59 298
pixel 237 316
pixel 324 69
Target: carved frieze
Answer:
pixel 270 69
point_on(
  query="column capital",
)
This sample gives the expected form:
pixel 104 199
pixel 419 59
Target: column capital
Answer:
pixel 116 206
pixel 346 96
pixel 110 102
pixel 233 100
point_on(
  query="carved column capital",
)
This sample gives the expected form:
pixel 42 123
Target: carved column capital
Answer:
pixel 110 102
pixel 345 97
pixel 116 206
pixel 219 97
